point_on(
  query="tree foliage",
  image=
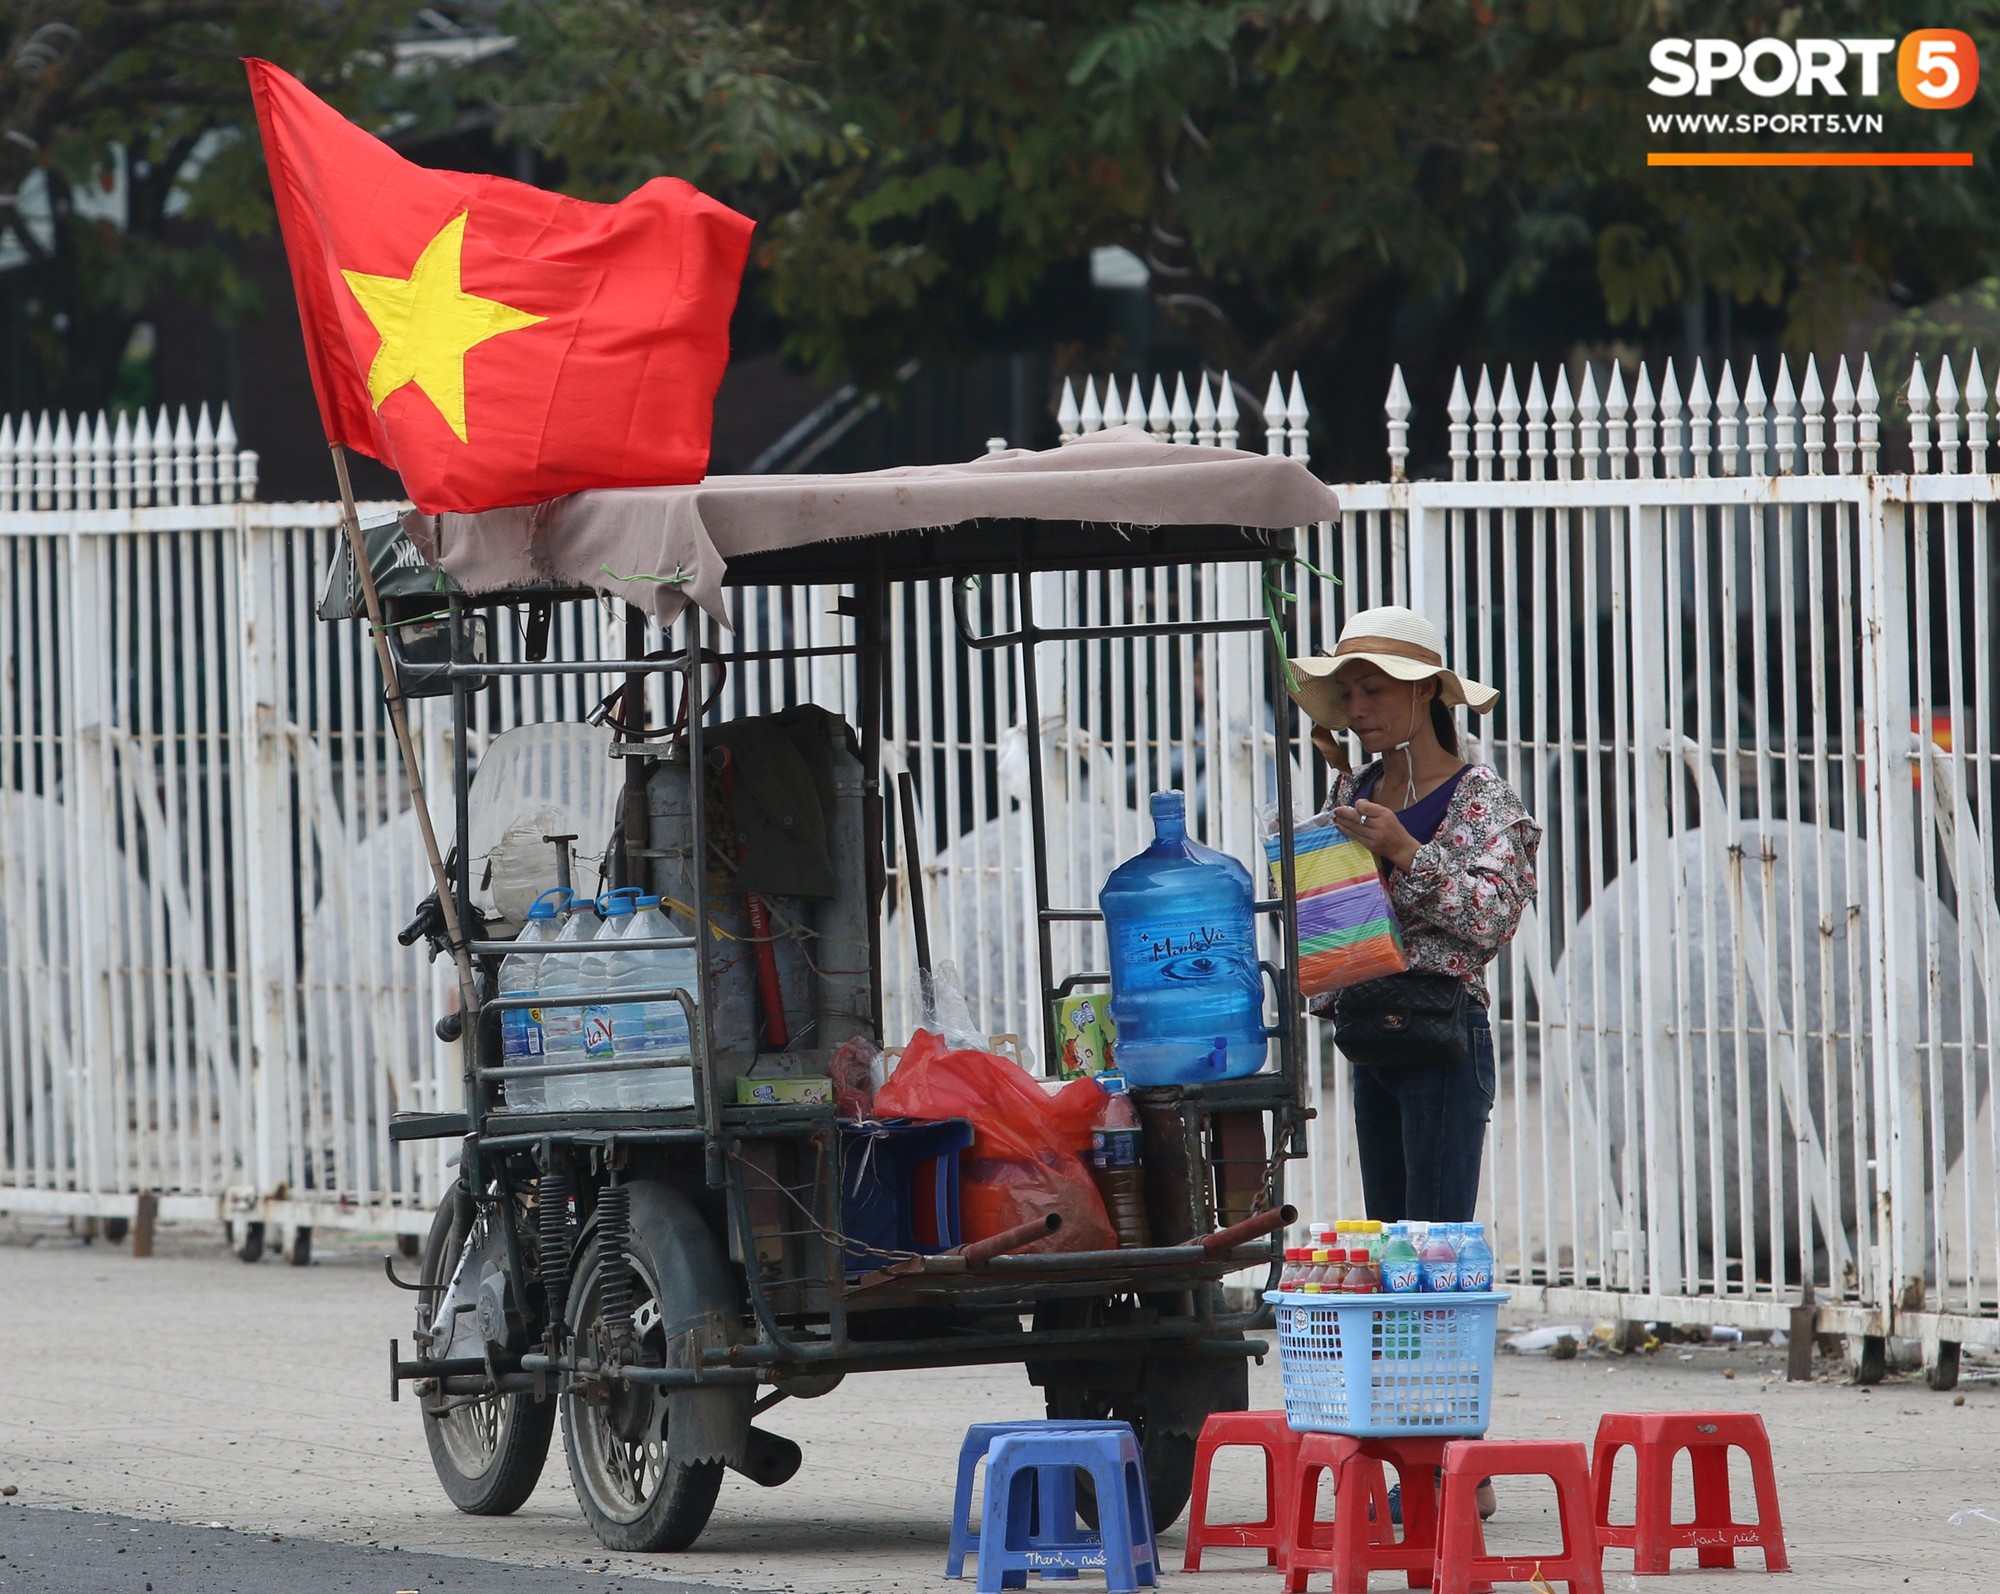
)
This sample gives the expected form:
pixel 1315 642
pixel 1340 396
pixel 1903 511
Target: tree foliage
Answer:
pixel 919 167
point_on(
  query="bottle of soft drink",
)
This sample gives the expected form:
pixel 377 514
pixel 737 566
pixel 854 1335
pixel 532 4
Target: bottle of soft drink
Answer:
pixel 562 1027
pixel 1438 1261
pixel 1294 1267
pixel 520 974
pixel 1115 1161
pixel 1362 1275
pixel 1401 1273
pixel 1319 1272
pixel 1475 1259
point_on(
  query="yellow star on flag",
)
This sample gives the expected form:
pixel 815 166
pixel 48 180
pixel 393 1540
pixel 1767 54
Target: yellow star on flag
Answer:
pixel 427 322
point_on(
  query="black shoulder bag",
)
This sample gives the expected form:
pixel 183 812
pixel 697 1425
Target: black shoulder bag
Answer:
pixel 1410 1020
pixel 1414 1019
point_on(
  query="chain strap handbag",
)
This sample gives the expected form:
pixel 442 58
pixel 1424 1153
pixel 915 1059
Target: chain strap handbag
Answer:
pixel 1409 1020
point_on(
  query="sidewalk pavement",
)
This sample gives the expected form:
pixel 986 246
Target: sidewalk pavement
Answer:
pixel 191 1388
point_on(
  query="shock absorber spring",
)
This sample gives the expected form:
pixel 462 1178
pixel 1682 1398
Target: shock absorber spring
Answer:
pixel 614 1264
pixel 552 1248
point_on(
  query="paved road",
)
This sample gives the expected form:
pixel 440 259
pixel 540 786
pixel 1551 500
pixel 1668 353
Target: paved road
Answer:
pixel 50 1551
pixel 195 1390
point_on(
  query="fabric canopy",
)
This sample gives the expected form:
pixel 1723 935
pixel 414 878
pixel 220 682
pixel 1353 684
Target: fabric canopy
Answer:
pixel 660 547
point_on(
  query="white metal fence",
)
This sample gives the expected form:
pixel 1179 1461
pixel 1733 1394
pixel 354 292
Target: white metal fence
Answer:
pixel 1747 685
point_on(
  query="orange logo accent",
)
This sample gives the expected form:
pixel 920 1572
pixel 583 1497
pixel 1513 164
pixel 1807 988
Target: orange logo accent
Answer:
pixel 1937 68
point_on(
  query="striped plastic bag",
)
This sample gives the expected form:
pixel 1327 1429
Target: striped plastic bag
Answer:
pixel 1347 928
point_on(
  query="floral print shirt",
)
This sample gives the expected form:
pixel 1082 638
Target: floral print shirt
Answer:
pixel 1462 898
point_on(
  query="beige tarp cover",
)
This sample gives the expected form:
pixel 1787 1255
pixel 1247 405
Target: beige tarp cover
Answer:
pixel 658 547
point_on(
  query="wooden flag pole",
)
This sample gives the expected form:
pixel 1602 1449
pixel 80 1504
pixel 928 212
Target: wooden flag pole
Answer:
pixel 413 778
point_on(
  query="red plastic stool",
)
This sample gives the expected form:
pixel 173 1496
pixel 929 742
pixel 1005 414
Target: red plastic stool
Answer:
pixel 1462 1560
pixel 1253 1430
pixel 1656 1437
pixel 1361 1539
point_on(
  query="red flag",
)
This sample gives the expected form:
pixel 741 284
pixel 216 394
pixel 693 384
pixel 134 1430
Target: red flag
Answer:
pixel 495 343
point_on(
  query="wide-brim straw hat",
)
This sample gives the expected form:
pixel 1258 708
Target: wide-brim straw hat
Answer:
pixel 1400 643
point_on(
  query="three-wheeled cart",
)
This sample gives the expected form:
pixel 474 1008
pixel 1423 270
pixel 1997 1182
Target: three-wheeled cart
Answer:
pixel 658 1277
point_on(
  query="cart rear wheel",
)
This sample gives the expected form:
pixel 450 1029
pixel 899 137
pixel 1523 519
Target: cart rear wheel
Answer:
pixel 636 1497
pixel 488 1451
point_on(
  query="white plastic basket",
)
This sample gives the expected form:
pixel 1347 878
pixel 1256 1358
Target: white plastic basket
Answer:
pixel 1376 1366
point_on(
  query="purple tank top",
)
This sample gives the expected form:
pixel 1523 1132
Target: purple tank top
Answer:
pixel 1422 818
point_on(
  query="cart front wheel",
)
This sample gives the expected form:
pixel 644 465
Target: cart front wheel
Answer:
pixel 636 1496
pixel 488 1450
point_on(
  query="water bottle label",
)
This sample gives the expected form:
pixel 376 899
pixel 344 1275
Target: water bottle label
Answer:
pixel 597 1034
pixel 1440 1278
pixel 1400 1278
pixel 1115 1148
pixel 1151 958
pixel 1476 1277
pixel 513 1034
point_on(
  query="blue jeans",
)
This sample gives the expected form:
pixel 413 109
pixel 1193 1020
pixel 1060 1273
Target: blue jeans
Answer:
pixel 1421 1133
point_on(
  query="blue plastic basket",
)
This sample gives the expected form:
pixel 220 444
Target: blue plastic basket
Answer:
pixel 1376 1366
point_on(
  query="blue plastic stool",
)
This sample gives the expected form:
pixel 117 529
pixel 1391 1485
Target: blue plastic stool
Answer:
pixel 1020 1469
pixel 978 1441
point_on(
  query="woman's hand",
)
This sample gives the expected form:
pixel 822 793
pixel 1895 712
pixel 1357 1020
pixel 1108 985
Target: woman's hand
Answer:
pixel 1331 748
pixel 1379 830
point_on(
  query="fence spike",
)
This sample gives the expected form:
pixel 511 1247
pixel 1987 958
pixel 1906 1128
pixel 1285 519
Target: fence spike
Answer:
pixel 1135 404
pixel 45 463
pixel 1297 413
pixel 1561 408
pixel 1868 415
pixel 246 474
pixel 1725 420
pixel 142 459
pixel 1784 426
pixel 1114 404
pixel 1182 411
pixel 1538 431
pixel 163 457
pixel 1699 405
pixel 1947 417
pixel 1458 407
pixel 1482 430
pixel 1068 417
pixel 1091 416
pixel 1159 417
pixel 1510 425
pixel 1615 410
pixel 183 458
pixel 1671 417
pixel 1227 415
pixel 204 459
pixel 1918 397
pixel 1397 407
pixel 1975 416
pixel 100 463
pixel 1274 416
pixel 1588 408
pixel 1204 414
pixel 6 463
pixel 121 461
pixel 1843 418
pixel 1756 409
pixel 65 462
pixel 1642 422
pixel 1812 403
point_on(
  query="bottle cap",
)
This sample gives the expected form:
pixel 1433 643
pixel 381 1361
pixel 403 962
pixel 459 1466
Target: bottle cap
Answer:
pixel 551 902
pixel 1112 1082
pixel 1322 1255
pixel 614 903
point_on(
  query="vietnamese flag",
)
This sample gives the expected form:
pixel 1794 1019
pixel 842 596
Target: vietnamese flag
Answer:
pixel 494 343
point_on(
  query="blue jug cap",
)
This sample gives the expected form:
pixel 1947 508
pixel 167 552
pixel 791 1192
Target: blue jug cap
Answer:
pixel 551 902
pixel 1169 805
pixel 1112 1082
pixel 613 904
pixel 643 903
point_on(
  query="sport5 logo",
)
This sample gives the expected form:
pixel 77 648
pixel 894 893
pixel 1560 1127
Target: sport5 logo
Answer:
pixel 1936 68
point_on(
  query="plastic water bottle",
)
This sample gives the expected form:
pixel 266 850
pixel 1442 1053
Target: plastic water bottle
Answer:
pixel 562 1027
pixel 1401 1271
pixel 652 1031
pixel 601 1026
pixel 1185 992
pixel 1475 1259
pixel 1437 1261
pixel 521 1027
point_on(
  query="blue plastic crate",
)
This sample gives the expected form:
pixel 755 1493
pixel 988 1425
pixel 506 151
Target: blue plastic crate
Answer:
pixel 1376 1366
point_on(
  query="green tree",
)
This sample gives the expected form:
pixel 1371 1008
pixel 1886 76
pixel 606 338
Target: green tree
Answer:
pixel 128 160
pixel 1297 173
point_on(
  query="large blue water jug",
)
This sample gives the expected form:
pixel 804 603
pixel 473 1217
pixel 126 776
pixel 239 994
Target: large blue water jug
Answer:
pixel 1185 991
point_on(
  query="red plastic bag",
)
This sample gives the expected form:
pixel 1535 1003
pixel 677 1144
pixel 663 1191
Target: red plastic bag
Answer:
pixel 1024 1158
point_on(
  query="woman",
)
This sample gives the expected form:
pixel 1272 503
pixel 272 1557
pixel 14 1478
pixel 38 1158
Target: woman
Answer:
pixel 1458 851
